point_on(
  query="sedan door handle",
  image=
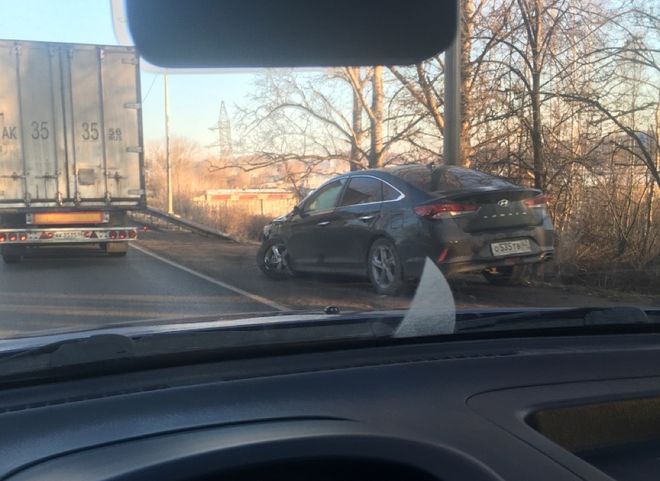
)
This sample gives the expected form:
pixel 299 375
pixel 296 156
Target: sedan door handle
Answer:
pixel 366 217
pixel 325 222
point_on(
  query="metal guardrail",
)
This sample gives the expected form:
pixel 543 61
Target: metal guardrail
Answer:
pixel 184 223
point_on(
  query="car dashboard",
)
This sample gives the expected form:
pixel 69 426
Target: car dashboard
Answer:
pixel 539 408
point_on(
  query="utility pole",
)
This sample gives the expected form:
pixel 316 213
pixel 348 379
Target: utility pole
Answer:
pixel 453 98
pixel 170 209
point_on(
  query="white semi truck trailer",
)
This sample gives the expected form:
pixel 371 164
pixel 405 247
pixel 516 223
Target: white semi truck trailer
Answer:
pixel 71 153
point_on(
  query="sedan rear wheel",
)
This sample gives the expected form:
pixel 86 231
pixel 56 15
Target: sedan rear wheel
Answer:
pixel 384 268
pixel 273 259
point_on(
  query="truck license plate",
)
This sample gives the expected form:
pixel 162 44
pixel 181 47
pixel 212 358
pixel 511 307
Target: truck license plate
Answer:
pixel 69 235
pixel 511 247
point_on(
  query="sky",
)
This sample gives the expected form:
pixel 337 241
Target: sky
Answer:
pixel 194 98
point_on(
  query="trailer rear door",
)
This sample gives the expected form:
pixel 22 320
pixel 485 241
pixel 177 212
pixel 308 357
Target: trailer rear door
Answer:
pixel 69 125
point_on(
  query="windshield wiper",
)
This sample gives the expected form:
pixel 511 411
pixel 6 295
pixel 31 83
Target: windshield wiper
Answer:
pixel 90 354
pixel 115 352
pixel 562 318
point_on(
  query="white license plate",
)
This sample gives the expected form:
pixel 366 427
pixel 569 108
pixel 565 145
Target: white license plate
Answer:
pixel 69 235
pixel 511 247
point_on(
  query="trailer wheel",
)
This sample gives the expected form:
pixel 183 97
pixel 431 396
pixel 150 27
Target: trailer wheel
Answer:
pixel 12 254
pixel 11 258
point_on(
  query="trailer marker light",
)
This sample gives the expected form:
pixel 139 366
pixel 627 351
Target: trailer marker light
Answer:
pixel 12 236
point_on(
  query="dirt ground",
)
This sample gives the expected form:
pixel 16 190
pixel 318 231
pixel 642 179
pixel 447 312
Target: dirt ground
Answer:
pixel 234 263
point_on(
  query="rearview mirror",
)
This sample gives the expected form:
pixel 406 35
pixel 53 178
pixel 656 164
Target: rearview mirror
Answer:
pixel 289 33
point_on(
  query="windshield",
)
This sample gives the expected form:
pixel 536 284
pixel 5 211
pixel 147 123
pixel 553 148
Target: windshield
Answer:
pixel 135 196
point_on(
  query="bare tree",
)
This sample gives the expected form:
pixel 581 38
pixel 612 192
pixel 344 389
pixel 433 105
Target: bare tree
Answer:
pixel 358 82
pixel 376 117
pixel 317 120
pixel 185 154
pixel 482 24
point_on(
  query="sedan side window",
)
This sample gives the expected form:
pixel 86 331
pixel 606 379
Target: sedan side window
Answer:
pixel 325 198
pixel 362 190
pixel 390 193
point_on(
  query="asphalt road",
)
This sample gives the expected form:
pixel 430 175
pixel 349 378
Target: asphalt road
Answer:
pixel 61 290
pixel 178 275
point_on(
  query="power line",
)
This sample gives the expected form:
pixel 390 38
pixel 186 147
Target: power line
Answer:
pixel 144 99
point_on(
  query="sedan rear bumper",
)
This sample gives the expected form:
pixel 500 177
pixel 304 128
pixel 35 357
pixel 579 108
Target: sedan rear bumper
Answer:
pixel 478 266
pixel 413 267
pixel 456 251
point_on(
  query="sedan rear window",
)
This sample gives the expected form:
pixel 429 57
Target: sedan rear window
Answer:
pixel 450 178
pixel 419 177
pixel 469 179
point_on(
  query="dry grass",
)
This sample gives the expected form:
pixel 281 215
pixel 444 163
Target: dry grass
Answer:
pixel 235 222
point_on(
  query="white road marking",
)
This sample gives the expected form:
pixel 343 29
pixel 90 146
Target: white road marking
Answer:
pixel 249 295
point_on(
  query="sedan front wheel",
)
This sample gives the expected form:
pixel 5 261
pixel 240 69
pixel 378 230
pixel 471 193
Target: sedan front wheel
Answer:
pixel 273 259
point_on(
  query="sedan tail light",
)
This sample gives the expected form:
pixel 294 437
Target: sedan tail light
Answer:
pixel 538 201
pixel 444 210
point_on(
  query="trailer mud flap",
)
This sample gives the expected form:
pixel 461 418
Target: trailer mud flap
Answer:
pixel 116 247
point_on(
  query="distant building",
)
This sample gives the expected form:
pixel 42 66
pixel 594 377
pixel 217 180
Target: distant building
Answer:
pixel 312 181
pixel 268 202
